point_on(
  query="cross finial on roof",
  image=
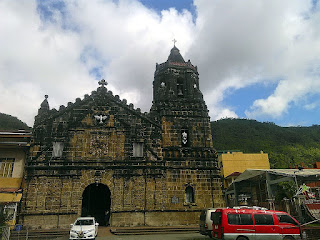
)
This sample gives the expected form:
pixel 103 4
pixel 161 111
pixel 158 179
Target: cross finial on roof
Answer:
pixel 103 82
pixel 174 42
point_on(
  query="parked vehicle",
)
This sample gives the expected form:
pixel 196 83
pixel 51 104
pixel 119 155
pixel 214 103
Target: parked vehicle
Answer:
pixel 254 223
pixel 84 228
pixel 206 222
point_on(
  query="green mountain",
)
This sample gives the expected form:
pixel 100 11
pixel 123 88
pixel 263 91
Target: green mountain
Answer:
pixel 286 146
pixel 8 122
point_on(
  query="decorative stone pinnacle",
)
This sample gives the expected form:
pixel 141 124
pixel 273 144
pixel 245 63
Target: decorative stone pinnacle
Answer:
pixel 103 83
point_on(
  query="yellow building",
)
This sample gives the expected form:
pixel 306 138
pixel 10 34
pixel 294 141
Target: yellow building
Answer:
pixel 13 150
pixel 234 163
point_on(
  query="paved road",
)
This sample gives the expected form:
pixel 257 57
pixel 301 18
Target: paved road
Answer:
pixel 175 236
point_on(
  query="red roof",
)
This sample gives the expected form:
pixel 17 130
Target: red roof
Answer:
pixel 234 174
pixel 10 190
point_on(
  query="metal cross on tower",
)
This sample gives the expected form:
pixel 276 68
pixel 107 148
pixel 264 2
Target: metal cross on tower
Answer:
pixel 103 82
pixel 174 42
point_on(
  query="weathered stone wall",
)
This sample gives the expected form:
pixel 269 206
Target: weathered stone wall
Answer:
pixel 199 129
pixel 136 200
pixel 156 218
pixel 207 189
pixel 50 202
pixel 165 200
pixel 172 218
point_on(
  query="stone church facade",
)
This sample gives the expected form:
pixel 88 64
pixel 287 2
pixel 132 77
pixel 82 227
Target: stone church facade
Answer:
pixel 101 157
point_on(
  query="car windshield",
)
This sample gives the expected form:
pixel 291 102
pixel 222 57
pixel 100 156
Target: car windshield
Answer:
pixel 84 222
pixel 286 219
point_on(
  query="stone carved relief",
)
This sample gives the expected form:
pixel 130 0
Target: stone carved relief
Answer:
pixel 184 138
pixel 98 145
pixel 194 76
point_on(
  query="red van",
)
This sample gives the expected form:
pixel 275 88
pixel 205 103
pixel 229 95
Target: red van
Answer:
pixel 242 223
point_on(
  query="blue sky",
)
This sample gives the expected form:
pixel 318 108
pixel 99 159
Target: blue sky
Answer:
pixel 257 59
pixel 166 4
pixel 297 115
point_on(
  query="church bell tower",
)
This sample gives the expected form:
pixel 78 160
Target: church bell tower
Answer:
pixel 179 105
pixel 186 138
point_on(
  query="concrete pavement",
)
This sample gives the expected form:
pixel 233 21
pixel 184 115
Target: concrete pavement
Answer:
pixel 105 234
pixel 171 236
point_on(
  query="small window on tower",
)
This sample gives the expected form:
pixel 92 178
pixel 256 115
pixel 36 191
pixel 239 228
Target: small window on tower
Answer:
pixel 138 149
pixel 180 90
pixel 189 194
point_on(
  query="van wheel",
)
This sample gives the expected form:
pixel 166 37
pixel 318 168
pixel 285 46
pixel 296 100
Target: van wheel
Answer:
pixel 288 238
pixel 242 238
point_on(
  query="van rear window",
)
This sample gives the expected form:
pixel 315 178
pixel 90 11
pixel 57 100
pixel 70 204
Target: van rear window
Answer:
pixel 216 217
pixel 203 215
pixel 240 219
pixel 263 219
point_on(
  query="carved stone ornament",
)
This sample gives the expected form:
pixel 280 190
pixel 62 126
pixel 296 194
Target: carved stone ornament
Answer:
pixel 184 137
pixel 100 118
pixel 175 200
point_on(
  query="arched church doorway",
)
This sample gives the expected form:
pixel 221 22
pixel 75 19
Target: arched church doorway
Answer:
pixel 96 201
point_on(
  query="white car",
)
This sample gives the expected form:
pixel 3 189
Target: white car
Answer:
pixel 84 228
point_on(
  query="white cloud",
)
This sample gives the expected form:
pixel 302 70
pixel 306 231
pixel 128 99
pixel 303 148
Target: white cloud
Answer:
pixel 214 99
pixel 35 61
pixel 131 38
pixel 122 39
pixel 255 40
pixel 288 92
pixel 224 113
pixel 234 43
pixel 311 106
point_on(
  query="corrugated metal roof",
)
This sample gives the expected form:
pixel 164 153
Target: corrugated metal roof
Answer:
pixel 15 133
pixel 250 173
pixel 297 172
